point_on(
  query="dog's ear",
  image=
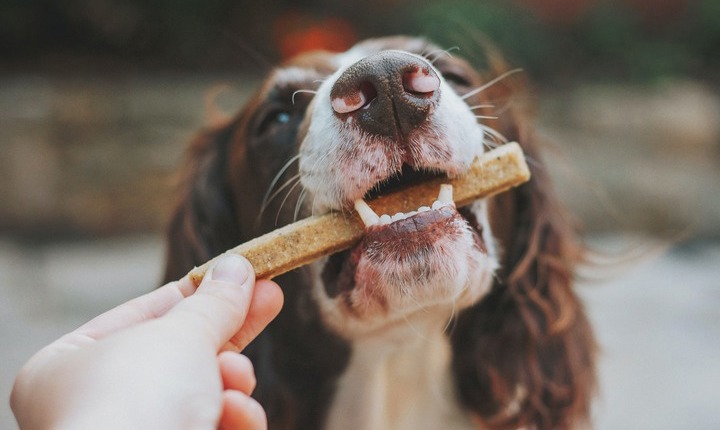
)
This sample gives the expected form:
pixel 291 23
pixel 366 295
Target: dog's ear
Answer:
pixel 524 355
pixel 204 222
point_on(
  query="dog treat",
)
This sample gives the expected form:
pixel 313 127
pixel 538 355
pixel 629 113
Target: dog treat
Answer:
pixel 307 240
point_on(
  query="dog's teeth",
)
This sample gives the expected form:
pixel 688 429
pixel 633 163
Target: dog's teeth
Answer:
pixel 446 193
pixel 368 216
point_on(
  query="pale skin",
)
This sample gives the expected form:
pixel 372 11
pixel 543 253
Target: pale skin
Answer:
pixel 165 360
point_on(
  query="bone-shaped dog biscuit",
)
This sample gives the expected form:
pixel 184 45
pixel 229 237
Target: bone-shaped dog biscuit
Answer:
pixel 305 241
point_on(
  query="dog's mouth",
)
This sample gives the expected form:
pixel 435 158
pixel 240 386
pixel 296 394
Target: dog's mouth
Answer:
pixel 407 176
pixel 405 249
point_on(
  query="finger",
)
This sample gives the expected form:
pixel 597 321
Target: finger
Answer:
pixel 219 306
pixel 241 412
pixel 143 308
pixel 266 303
pixel 237 372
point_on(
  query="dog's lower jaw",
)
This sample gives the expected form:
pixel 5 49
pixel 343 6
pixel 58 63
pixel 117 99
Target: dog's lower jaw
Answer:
pixel 385 280
pixel 380 310
pixel 399 380
pixel 369 294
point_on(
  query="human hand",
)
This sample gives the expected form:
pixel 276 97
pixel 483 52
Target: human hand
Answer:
pixel 165 360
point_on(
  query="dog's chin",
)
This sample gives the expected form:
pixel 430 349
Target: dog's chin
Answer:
pixel 428 265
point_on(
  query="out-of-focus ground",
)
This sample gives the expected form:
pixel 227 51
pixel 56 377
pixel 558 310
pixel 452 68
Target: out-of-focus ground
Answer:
pixel 657 321
pixel 633 163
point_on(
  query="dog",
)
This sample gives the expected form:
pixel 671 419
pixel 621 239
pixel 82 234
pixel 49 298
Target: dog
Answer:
pixel 444 318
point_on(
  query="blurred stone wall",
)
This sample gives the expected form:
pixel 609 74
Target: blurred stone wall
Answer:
pixel 640 158
pixel 96 155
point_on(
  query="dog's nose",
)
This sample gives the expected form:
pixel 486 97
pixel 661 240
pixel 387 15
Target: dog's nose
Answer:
pixel 389 93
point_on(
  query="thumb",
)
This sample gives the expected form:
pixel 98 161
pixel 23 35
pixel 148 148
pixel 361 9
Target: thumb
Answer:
pixel 218 308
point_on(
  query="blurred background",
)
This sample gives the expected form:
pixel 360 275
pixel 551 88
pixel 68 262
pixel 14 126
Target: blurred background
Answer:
pixel 98 99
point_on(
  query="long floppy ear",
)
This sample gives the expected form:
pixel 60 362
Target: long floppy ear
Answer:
pixel 524 356
pixel 204 222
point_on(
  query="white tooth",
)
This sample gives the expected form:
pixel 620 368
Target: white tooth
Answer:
pixel 446 193
pixel 385 219
pixel 398 216
pixel 423 208
pixel 368 216
pixel 409 214
pixel 437 204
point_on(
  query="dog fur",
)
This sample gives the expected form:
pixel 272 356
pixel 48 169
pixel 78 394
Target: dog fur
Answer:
pixel 474 325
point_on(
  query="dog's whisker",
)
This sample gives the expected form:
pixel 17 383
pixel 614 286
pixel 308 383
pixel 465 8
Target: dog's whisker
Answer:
pixel 302 92
pixel 506 106
pixel 294 179
pixel 313 205
pixel 422 307
pixel 453 311
pixel 436 54
pixel 299 202
pixel 277 178
pixel 483 106
pixel 494 134
pixel 486 117
pixel 415 330
pixel 290 191
pixel 490 145
pixel 490 83
pixel 533 162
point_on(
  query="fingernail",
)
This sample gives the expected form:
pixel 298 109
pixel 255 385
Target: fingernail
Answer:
pixel 231 268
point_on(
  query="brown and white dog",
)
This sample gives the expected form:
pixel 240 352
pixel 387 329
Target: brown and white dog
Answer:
pixel 439 319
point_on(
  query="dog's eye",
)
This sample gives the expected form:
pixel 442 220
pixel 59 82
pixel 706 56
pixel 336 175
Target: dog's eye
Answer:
pixel 454 74
pixel 454 78
pixel 272 119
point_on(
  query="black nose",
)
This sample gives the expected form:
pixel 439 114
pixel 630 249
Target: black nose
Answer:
pixel 389 93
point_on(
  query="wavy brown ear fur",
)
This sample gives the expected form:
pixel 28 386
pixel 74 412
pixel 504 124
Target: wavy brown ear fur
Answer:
pixel 220 197
pixel 524 356
pixel 204 222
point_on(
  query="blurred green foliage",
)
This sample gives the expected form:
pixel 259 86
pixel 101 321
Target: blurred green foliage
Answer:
pixel 122 28
pixel 470 25
pixel 609 41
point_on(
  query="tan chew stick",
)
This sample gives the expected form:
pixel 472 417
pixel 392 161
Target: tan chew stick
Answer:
pixel 305 241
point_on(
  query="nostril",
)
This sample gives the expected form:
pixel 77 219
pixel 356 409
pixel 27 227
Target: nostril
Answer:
pixel 421 80
pixel 354 100
pixel 348 103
